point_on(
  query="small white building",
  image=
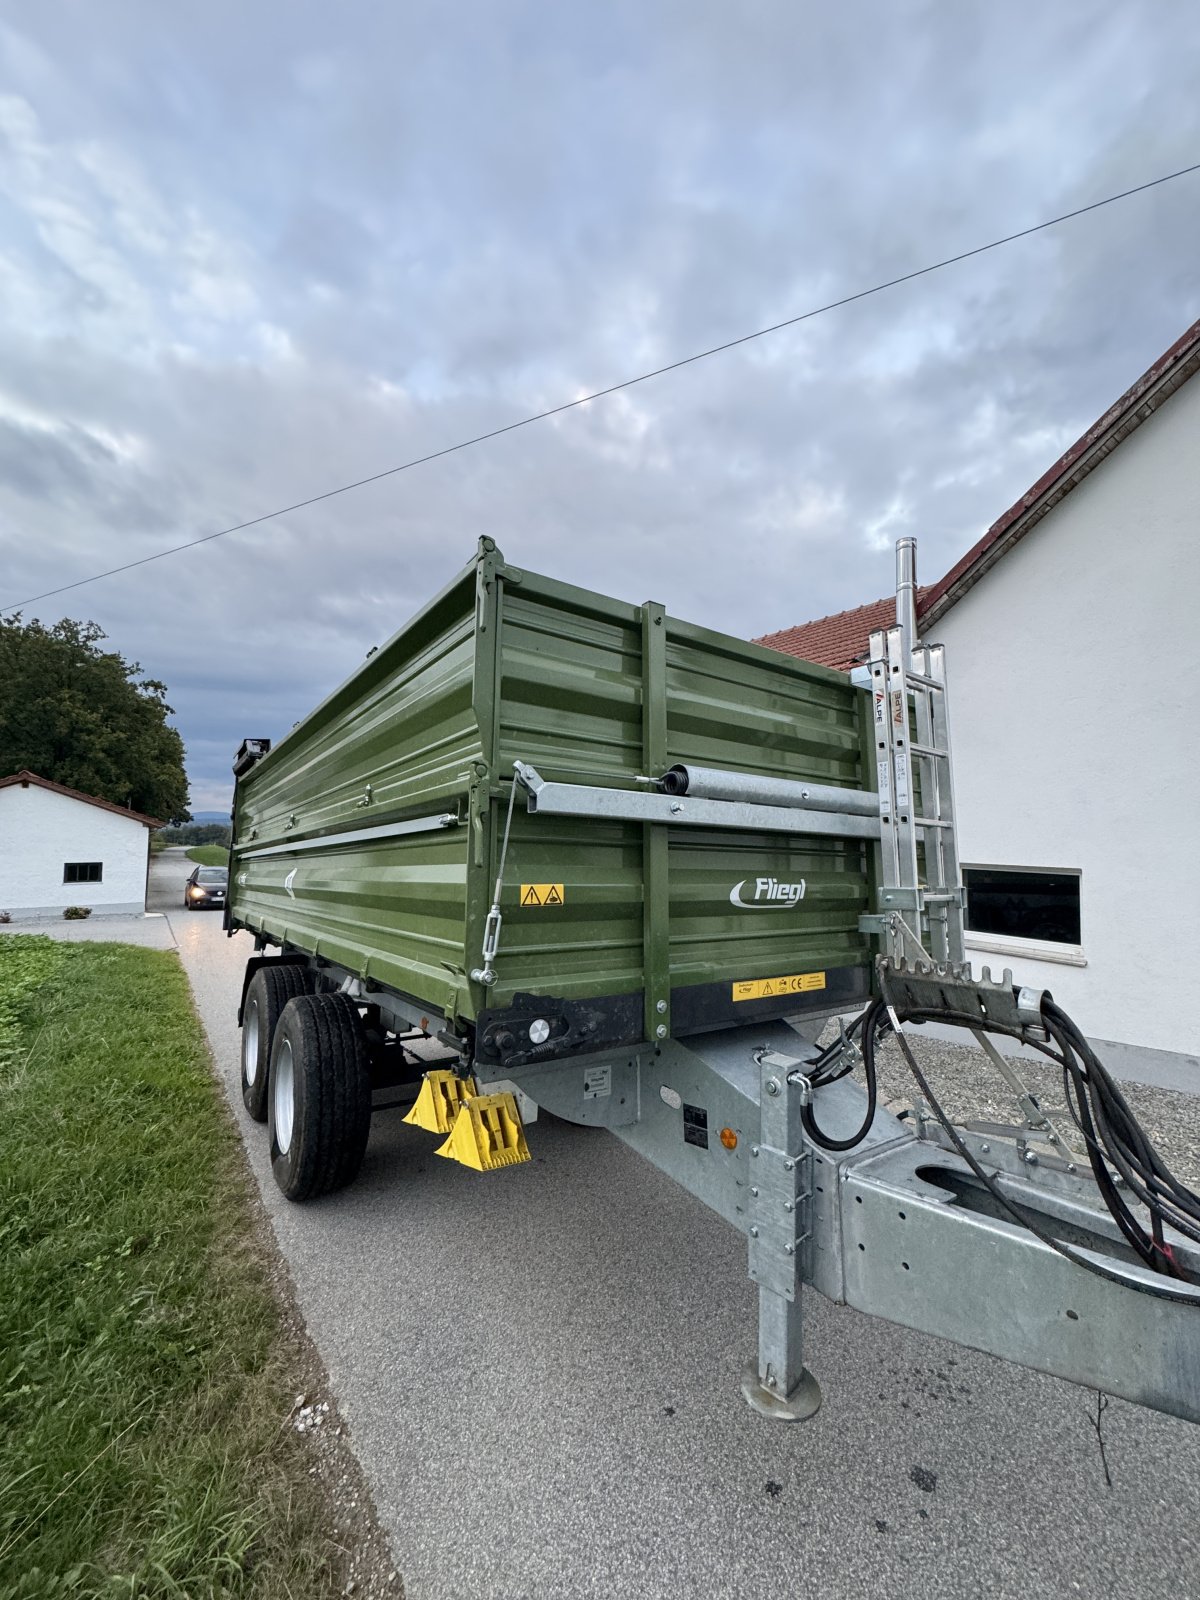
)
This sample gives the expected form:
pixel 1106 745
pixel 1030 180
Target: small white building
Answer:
pixel 1075 723
pixel 60 848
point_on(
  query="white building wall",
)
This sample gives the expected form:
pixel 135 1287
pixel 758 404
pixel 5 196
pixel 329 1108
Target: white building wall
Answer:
pixel 41 831
pixel 1075 721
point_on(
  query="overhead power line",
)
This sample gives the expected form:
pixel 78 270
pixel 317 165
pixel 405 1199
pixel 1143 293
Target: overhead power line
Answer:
pixel 612 388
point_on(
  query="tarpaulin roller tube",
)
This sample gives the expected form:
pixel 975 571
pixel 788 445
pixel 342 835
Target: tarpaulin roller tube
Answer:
pixel 709 783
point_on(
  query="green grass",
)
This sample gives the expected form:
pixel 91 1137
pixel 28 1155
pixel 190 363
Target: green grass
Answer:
pixel 144 1388
pixel 209 855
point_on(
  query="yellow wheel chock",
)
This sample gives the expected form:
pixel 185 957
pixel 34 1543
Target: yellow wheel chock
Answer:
pixel 437 1105
pixel 487 1133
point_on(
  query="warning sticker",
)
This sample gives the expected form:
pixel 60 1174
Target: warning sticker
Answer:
pixel 542 894
pixel 770 988
pixel 597 1082
pixel 695 1126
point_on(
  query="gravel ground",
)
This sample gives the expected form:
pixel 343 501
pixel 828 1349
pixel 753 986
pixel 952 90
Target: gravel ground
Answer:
pixel 970 1088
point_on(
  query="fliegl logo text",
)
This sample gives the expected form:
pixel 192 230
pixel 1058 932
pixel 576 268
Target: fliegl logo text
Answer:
pixel 759 894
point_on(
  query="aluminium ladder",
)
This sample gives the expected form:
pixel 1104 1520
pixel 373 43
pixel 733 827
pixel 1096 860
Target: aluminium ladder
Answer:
pixel 922 914
pixel 908 689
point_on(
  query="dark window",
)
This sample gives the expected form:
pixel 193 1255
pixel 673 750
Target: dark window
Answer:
pixel 212 875
pixel 83 871
pixel 1023 903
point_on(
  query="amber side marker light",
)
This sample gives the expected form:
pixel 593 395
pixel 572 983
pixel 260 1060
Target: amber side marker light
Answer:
pixel 729 1138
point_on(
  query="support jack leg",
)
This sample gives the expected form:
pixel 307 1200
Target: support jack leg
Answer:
pixel 779 1385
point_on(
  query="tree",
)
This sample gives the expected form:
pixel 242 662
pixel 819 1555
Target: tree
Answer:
pixel 85 717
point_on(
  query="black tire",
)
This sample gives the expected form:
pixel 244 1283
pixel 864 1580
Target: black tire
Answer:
pixel 320 1058
pixel 269 991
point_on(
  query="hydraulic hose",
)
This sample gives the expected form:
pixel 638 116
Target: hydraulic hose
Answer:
pixel 1115 1140
pixel 869 1025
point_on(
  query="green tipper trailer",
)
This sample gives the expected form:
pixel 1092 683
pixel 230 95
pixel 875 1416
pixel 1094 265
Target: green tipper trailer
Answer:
pixel 371 836
pixel 626 869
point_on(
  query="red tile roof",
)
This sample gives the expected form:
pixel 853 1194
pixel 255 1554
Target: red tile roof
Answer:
pixel 26 778
pixel 841 641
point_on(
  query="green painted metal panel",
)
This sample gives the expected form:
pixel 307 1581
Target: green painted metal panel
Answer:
pixel 505 665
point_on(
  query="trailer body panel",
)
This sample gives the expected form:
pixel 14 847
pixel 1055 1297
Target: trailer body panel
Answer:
pixel 371 835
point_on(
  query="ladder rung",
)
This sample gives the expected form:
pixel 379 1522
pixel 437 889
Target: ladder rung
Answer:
pixel 917 680
pixel 934 899
pixel 929 750
pixel 933 822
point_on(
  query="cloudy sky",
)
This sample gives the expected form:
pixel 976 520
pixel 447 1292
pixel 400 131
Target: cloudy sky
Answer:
pixel 250 252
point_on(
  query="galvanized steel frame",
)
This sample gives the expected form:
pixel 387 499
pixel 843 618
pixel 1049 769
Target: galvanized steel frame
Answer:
pixel 896 1227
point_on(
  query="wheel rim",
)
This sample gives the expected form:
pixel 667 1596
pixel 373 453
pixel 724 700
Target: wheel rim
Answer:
pixel 250 1043
pixel 283 1094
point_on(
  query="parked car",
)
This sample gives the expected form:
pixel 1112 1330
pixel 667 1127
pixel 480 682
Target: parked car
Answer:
pixel 206 886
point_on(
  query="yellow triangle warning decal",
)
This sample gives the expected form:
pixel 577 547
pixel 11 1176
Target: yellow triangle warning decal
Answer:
pixel 543 894
pixel 774 988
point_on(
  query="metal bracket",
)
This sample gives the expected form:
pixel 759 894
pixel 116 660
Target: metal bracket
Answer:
pixel 924 985
pixel 781 1191
pixel 790 1069
pixel 630 805
pixel 1020 1137
pixel 1000 1007
pixel 896 899
pixel 847 1058
pixel 781 1182
pixel 904 944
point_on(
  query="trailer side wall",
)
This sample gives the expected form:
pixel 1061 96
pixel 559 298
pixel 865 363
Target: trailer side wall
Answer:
pixel 506 666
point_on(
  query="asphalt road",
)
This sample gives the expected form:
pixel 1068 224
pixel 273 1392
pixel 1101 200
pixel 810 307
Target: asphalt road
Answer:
pixel 540 1370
